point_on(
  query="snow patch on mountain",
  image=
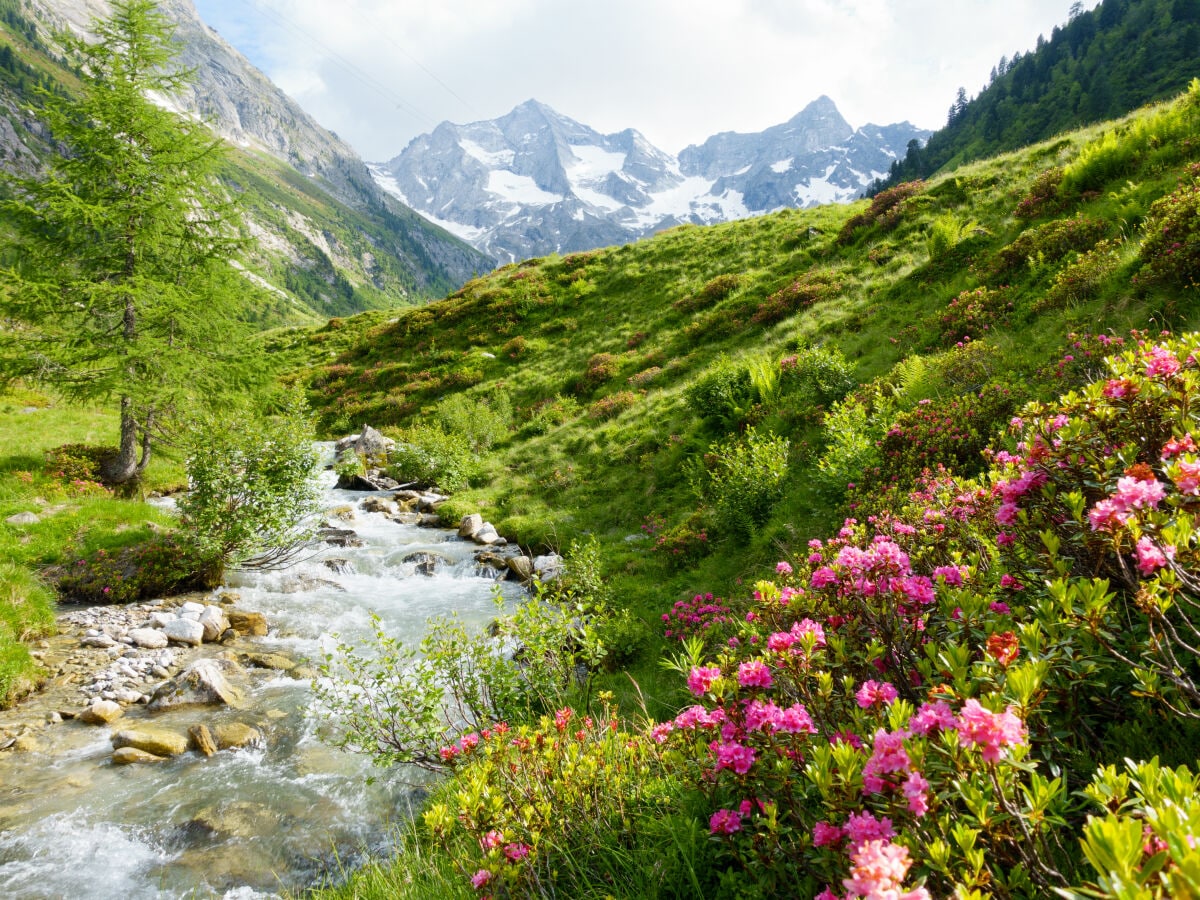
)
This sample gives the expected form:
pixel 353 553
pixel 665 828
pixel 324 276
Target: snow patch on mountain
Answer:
pixel 535 181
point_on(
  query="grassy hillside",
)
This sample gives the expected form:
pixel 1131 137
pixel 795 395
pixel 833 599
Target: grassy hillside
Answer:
pixel 896 676
pixel 929 293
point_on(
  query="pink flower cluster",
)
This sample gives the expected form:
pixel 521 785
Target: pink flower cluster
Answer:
pixel 796 638
pixel 1161 363
pixel 701 678
pixel 875 693
pixel 979 727
pixel 1131 494
pixel 769 718
pixel 878 871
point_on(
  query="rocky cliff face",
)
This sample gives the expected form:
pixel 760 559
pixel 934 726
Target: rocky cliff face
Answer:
pixel 354 246
pixel 534 181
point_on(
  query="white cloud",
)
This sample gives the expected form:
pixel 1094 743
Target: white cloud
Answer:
pixel 379 72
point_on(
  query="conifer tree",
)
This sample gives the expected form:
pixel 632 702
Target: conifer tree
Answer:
pixel 120 284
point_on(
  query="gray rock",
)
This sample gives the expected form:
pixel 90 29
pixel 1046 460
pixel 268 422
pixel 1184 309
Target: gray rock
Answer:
pixel 23 518
pixel 338 565
pixel 124 756
pixel 205 682
pixel 102 712
pixel 237 736
pixel 470 526
pixel 214 622
pixel 148 638
pixel 486 535
pixel 521 566
pixel 548 567
pixel 185 631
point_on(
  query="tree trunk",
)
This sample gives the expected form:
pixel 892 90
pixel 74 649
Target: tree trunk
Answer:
pixel 125 468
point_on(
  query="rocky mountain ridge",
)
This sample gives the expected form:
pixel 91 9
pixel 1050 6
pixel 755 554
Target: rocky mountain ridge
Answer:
pixel 535 181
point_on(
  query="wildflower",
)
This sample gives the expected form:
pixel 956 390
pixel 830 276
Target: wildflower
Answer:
pixel 888 756
pixel 874 692
pixel 783 568
pixel 563 717
pixel 762 716
pixel 659 732
pixel 734 756
pixel 930 716
pixel 878 868
pixel 754 674
pixel 1138 493
pixel 991 731
pixel 1186 476
pixel 1007 581
pixel 1176 446
pixel 825 835
pixel 516 852
pixel 865 827
pixel 1106 516
pixel 491 840
pixel 480 879
pixel 701 679
pixel 1161 362
pixel 795 720
pixel 725 821
pixel 1151 558
pixel 916 790
pixel 1000 608
pixel 822 577
pixel 1003 647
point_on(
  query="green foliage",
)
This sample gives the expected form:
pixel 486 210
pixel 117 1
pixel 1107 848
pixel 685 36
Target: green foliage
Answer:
pixel 431 456
pixel 252 499
pixel 80 464
pixel 481 420
pixel 1083 278
pixel 26 612
pixel 1170 252
pixel 120 272
pixel 744 479
pixel 613 405
pixel 1049 243
pixel 402 704
pixel 946 233
pixel 724 393
pixel 972 314
pixel 886 210
pixel 853 427
pixel 815 376
pixel 158 567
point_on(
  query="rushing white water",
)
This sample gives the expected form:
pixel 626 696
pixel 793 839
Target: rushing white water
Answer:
pixel 242 824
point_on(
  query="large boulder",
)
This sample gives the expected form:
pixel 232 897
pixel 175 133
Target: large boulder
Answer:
pixel 204 683
pixel 148 638
pixel 248 623
pixel 102 712
pixel 470 526
pixel 149 739
pixel 521 567
pixel 237 736
pixel 124 756
pixel 548 567
pixel 215 622
pixel 487 535
pixel 185 631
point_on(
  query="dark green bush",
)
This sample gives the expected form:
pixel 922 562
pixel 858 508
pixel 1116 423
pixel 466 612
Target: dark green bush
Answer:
pixel 1170 253
pixel 77 463
pixel 1050 242
pixel 160 566
pixel 724 393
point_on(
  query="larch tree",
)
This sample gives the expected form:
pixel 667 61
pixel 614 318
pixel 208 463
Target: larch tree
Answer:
pixel 120 284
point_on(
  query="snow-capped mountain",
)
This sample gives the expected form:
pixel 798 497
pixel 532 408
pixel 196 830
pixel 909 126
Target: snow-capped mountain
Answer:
pixel 534 181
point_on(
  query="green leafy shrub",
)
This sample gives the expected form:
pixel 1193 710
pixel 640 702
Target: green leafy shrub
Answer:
pixel 1082 279
pixel 723 393
pixel 853 429
pixel 400 703
pixel 815 376
pixel 1042 198
pixel 516 347
pixel 685 544
pixel 972 314
pixel 549 413
pixel 744 480
pixel 1170 251
pixel 946 233
pixel 429 455
pixel 77 464
pixel 601 367
pixel 158 567
pixel 713 292
pixel 481 420
pixel 1049 243
pixel 800 294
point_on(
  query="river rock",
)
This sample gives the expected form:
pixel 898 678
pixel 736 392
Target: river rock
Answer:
pixel 23 518
pixel 203 683
pixel 470 526
pixel 148 638
pixel 521 566
pixel 383 505
pixel 251 623
pixel 275 661
pixel 340 537
pixel 235 818
pixel 124 756
pixel 158 741
pixel 424 562
pixel 202 739
pixel 548 567
pixel 214 621
pixel 429 502
pixel 338 565
pixel 237 736
pixel 26 743
pixel 102 712
pixel 191 610
pixel 101 640
pixel 185 631
pixel 161 619
pixel 486 535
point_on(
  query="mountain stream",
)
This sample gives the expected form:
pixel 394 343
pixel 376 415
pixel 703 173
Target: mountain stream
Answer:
pixel 246 823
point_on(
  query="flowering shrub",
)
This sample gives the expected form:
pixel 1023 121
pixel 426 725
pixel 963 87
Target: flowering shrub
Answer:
pixel 1049 243
pixel 714 291
pixel 801 293
pixel 78 465
pixel 1082 279
pixel 704 616
pixel 158 567
pixel 645 376
pixel 685 544
pixel 886 209
pixel 612 405
pixel 601 367
pixel 974 313
pixel 516 347
pixel 1042 197
pixel 1170 252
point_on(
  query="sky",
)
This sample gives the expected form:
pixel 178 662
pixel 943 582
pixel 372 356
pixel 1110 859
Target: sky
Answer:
pixel 381 72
